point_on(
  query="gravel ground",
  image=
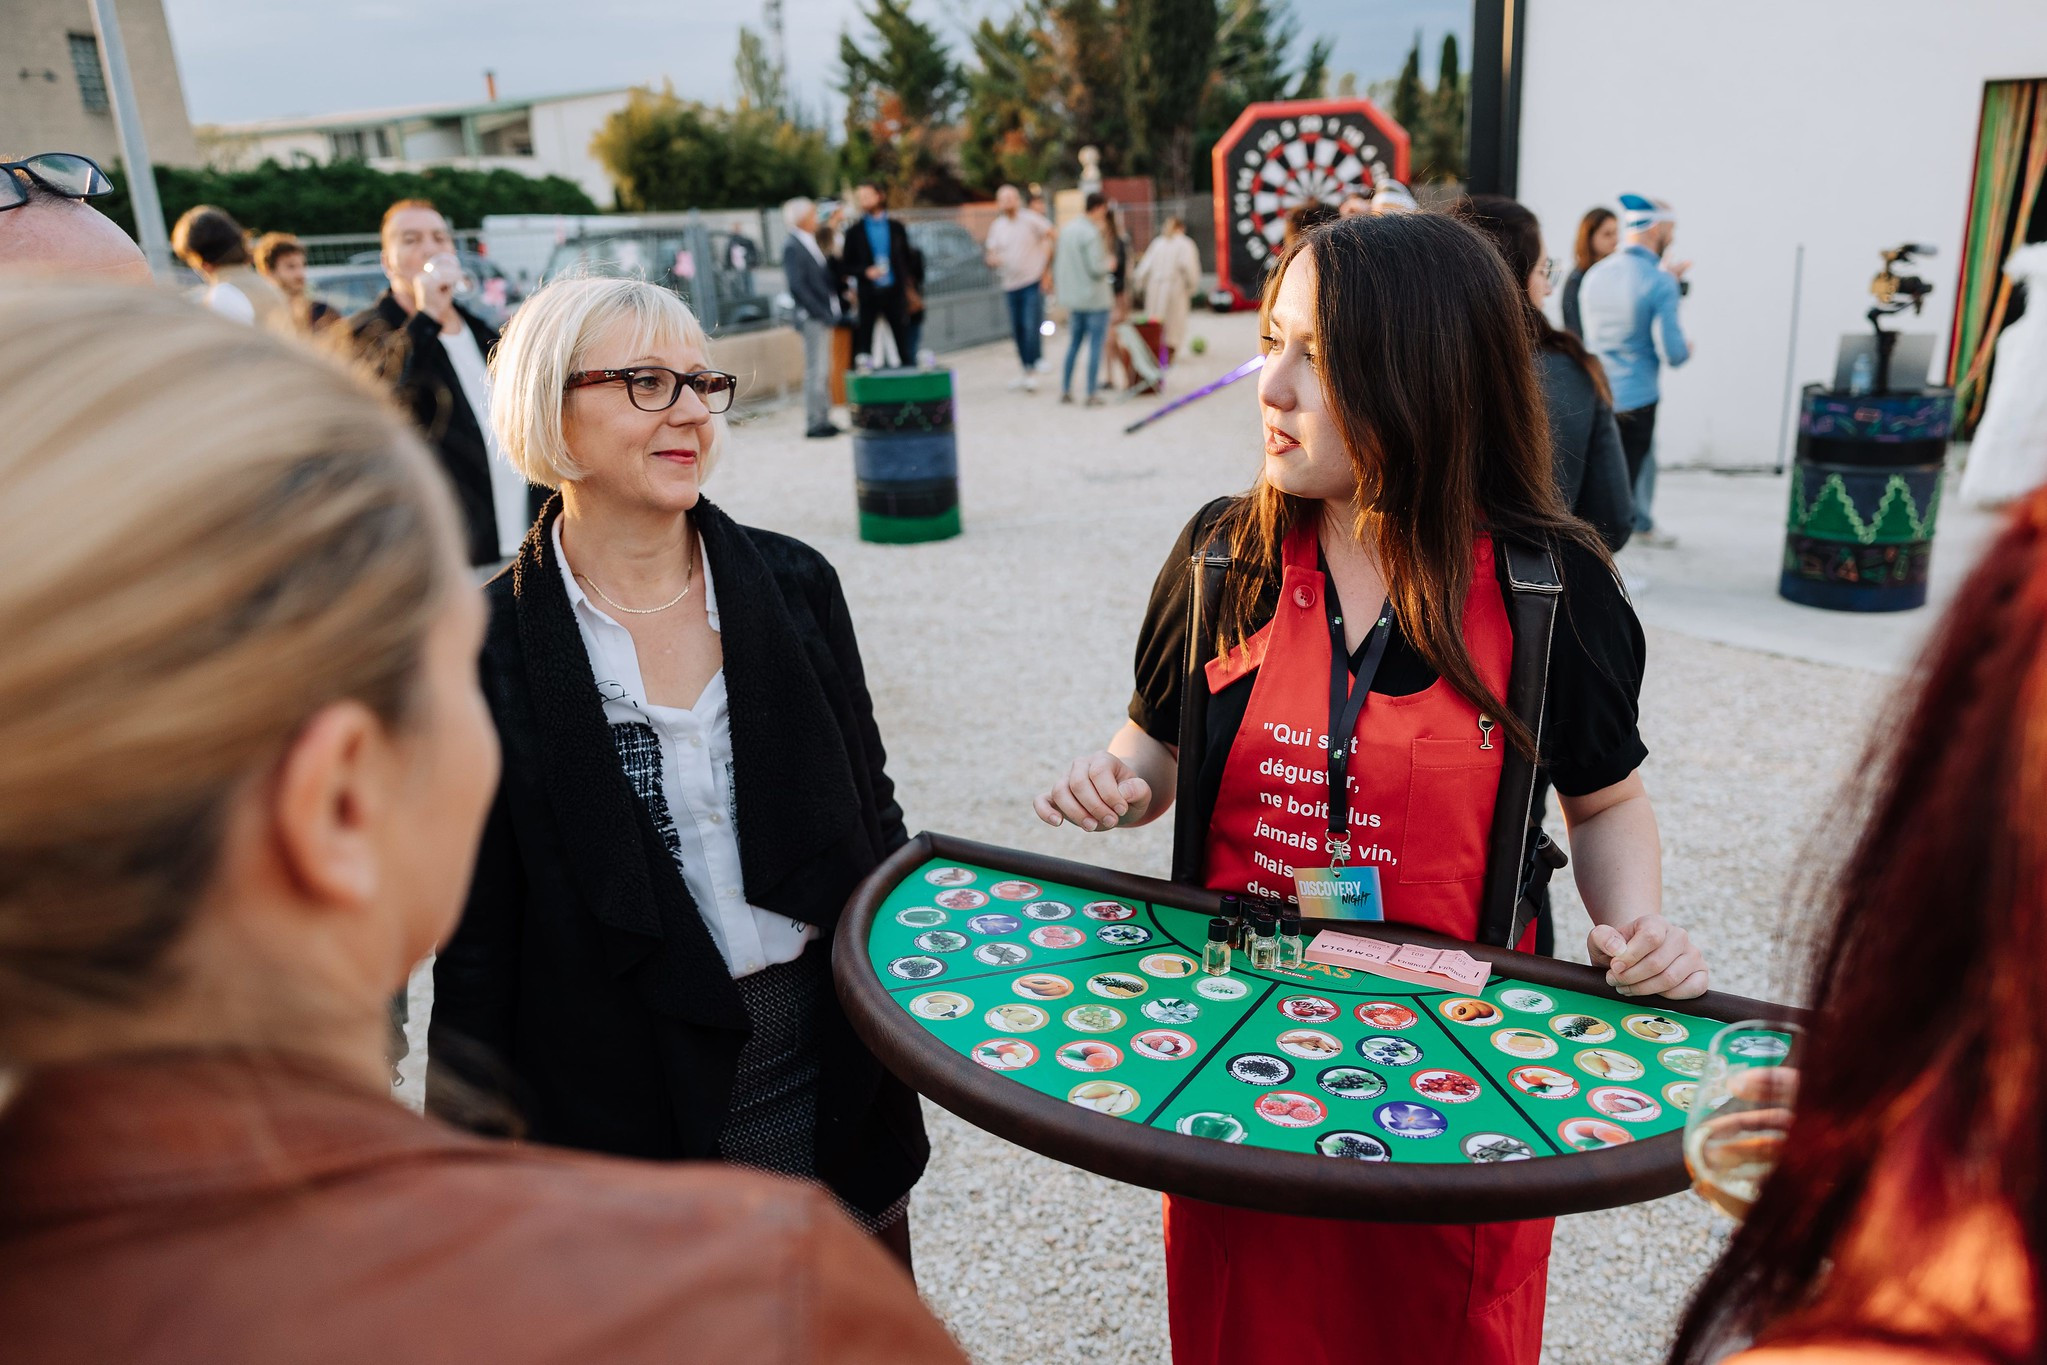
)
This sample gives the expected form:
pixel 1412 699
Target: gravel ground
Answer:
pixel 996 657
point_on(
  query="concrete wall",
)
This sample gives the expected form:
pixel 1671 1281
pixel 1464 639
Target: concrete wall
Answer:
pixel 1845 125
pixel 40 106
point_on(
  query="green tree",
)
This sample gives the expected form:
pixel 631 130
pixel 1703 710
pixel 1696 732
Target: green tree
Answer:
pixel 1442 152
pixel 667 153
pixel 1013 132
pixel 344 196
pixel 1410 97
pixel 761 84
pixel 1169 57
pixel 901 98
pixel 1252 65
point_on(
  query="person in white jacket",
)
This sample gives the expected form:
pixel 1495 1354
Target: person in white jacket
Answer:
pixel 1167 276
pixel 2008 458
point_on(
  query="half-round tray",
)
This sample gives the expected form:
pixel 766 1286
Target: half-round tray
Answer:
pixel 1428 1161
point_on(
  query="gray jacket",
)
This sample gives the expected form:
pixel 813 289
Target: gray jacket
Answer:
pixel 1591 471
pixel 1080 268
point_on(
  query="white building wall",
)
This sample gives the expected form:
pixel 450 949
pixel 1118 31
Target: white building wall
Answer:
pixel 562 130
pixel 1845 125
pixel 286 149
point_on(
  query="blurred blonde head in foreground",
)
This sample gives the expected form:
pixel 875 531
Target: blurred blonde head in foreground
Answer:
pixel 237 703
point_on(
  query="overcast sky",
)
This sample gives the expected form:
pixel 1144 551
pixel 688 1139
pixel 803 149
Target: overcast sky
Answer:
pixel 251 59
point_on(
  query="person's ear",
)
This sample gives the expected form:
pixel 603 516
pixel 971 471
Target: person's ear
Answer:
pixel 330 794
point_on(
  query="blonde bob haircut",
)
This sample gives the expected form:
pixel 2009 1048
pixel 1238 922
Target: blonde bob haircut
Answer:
pixel 206 535
pixel 551 337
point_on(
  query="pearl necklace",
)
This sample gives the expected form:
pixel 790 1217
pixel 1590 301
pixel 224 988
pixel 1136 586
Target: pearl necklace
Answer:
pixel 689 574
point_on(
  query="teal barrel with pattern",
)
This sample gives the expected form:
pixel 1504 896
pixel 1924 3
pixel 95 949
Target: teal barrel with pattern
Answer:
pixel 905 455
pixel 1865 491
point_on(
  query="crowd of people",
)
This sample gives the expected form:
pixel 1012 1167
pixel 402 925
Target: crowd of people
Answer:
pixel 265 746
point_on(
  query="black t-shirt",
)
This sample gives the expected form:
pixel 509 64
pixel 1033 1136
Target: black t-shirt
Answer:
pixel 1590 740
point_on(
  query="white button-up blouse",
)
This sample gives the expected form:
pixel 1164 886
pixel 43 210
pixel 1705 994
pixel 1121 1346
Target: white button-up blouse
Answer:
pixel 679 761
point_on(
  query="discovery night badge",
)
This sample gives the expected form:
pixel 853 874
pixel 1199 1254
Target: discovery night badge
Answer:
pixel 1339 893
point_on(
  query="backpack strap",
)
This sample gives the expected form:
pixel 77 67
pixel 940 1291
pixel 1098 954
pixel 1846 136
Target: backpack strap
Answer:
pixel 1519 860
pixel 1204 604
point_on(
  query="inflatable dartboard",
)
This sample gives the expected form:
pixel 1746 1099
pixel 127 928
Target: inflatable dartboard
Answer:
pixel 1282 154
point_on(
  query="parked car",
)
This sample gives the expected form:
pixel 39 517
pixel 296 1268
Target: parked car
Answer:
pixel 953 263
pixel 355 286
pixel 716 272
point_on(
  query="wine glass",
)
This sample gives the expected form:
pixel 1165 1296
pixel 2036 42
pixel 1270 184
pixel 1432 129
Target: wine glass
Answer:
pixel 1741 1111
pixel 448 266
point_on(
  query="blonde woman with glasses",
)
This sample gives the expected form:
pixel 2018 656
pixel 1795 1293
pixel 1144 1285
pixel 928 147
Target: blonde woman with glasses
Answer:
pixel 693 786
pixel 243 766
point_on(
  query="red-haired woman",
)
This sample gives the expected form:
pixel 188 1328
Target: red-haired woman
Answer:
pixel 1384 583
pixel 1907 1218
pixel 1599 232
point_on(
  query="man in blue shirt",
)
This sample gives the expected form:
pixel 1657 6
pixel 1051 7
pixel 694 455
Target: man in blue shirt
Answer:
pixel 875 256
pixel 1629 303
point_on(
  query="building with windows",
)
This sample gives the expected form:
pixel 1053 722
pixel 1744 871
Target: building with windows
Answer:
pixel 53 90
pixel 549 135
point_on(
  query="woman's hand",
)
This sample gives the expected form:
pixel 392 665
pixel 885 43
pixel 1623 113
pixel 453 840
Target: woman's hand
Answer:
pixel 1648 956
pixel 1097 793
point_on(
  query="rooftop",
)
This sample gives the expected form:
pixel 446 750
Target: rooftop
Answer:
pixel 372 118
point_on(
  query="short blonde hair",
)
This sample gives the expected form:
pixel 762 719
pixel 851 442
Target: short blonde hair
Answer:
pixel 194 560
pixel 550 337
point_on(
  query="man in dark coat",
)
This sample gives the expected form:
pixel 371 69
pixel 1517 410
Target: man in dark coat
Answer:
pixel 435 355
pixel 875 257
pixel 814 285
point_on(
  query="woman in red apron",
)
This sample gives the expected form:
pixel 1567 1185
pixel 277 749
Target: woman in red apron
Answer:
pixel 1404 433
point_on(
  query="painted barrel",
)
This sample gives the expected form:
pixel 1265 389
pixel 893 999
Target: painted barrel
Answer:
pixel 1865 490
pixel 905 455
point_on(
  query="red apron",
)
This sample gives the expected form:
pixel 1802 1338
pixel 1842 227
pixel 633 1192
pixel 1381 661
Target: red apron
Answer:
pixel 1423 778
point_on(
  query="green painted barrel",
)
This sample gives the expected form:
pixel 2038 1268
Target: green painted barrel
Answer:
pixel 905 455
pixel 1865 491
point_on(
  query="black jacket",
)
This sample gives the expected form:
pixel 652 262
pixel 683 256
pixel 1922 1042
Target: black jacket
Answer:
pixel 405 349
pixel 582 967
pixel 812 283
pixel 1591 471
pixel 856 253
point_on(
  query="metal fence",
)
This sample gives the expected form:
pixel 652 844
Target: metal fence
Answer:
pixel 359 248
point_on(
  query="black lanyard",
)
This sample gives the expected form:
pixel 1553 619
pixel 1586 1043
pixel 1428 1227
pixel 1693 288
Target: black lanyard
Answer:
pixel 1346 704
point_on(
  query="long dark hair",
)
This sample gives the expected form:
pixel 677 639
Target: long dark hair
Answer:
pixel 1595 218
pixel 1518 237
pixel 1430 378
pixel 1924 1087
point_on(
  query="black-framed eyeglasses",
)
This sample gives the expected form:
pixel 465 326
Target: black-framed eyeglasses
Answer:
pixel 66 174
pixel 654 388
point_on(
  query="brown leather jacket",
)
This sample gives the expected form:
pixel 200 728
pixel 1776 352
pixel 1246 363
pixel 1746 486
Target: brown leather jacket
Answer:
pixel 223 1209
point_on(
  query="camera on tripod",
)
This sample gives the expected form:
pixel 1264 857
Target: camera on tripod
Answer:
pixel 1894 292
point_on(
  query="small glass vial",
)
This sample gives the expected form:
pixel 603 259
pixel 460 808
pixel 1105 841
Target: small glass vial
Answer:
pixel 1290 945
pixel 1215 956
pixel 1265 944
pixel 1233 911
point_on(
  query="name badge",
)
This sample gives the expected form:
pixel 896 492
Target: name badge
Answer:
pixel 1339 893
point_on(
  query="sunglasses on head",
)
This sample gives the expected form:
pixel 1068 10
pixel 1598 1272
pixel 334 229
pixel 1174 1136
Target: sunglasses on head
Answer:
pixel 65 174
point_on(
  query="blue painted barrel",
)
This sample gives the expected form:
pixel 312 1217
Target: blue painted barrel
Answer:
pixel 1865 491
pixel 905 455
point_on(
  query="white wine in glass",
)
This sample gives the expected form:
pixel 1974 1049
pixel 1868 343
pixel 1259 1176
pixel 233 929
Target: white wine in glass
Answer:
pixel 1741 1112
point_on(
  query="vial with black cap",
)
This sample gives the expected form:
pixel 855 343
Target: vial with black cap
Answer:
pixel 1265 944
pixel 1290 945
